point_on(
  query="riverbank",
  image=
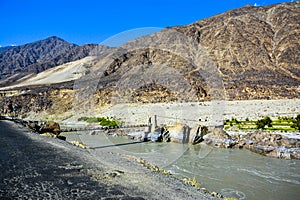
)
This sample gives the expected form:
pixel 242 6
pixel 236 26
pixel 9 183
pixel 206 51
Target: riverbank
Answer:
pixel 195 113
pixel 237 173
pixel 35 166
pixel 267 143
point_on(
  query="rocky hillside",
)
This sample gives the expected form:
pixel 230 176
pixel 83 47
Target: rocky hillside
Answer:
pixel 247 53
pixel 255 48
pixel 19 61
pixel 251 52
pixel 5 48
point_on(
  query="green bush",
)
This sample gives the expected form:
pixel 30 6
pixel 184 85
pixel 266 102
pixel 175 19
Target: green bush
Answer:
pixel 82 118
pixel 236 121
pixel 268 121
pixel 261 123
pixel 103 121
pixel 92 120
pixel 296 123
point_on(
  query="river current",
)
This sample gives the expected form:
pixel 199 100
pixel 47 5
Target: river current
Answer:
pixel 233 173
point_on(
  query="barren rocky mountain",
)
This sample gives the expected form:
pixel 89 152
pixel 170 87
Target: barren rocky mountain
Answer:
pixel 33 58
pixel 254 50
pixel 247 53
pixel 5 48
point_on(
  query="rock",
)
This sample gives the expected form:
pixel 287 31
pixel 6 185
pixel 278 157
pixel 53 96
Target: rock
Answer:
pixel 230 143
pixel 215 194
pixel 197 133
pixel 271 145
pixel 50 126
pixel 264 150
pixel 136 135
pixel 80 144
pixel 218 137
pixel 92 133
pixel 114 174
pixel 34 126
pixel 241 144
pixel 283 153
pixel 166 136
pixel 295 154
pixel 285 142
pixel 277 137
pixel 217 133
pixel 179 133
pixel 61 137
pixel 156 137
pixel 250 142
pixel 52 135
pixel 47 134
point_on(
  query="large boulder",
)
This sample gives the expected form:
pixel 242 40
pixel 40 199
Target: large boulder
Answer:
pixel 197 133
pixel 218 137
pixel 217 132
pixel 179 133
pixel 33 125
pixel 50 126
pixel 136 135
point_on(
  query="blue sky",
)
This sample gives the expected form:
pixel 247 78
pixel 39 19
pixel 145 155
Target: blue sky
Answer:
pixel 92 21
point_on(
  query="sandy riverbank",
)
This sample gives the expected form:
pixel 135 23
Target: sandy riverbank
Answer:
pixel 204 113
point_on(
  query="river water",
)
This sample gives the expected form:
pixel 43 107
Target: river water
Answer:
pixel 233 173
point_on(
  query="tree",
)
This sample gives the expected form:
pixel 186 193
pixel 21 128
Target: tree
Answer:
pixel 261 123
pixel 297 118
pixel 296 123
pixel 268 121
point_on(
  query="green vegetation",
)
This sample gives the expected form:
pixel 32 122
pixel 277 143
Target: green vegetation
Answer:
pixel 103 121
pixel 296 123
pixel 283 123
pixel 262 123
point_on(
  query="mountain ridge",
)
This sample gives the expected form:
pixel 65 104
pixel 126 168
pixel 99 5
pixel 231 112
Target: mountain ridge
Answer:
pixel 247 53
pixel 32 58
pixel 244 39
pixel 5 48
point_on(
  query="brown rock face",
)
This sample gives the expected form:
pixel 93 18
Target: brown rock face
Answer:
pixel 255 48
pixel 50 99
pixel 247 53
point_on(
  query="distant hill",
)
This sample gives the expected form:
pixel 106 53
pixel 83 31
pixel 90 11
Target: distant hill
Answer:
pixel 5 48
pixel 19 61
